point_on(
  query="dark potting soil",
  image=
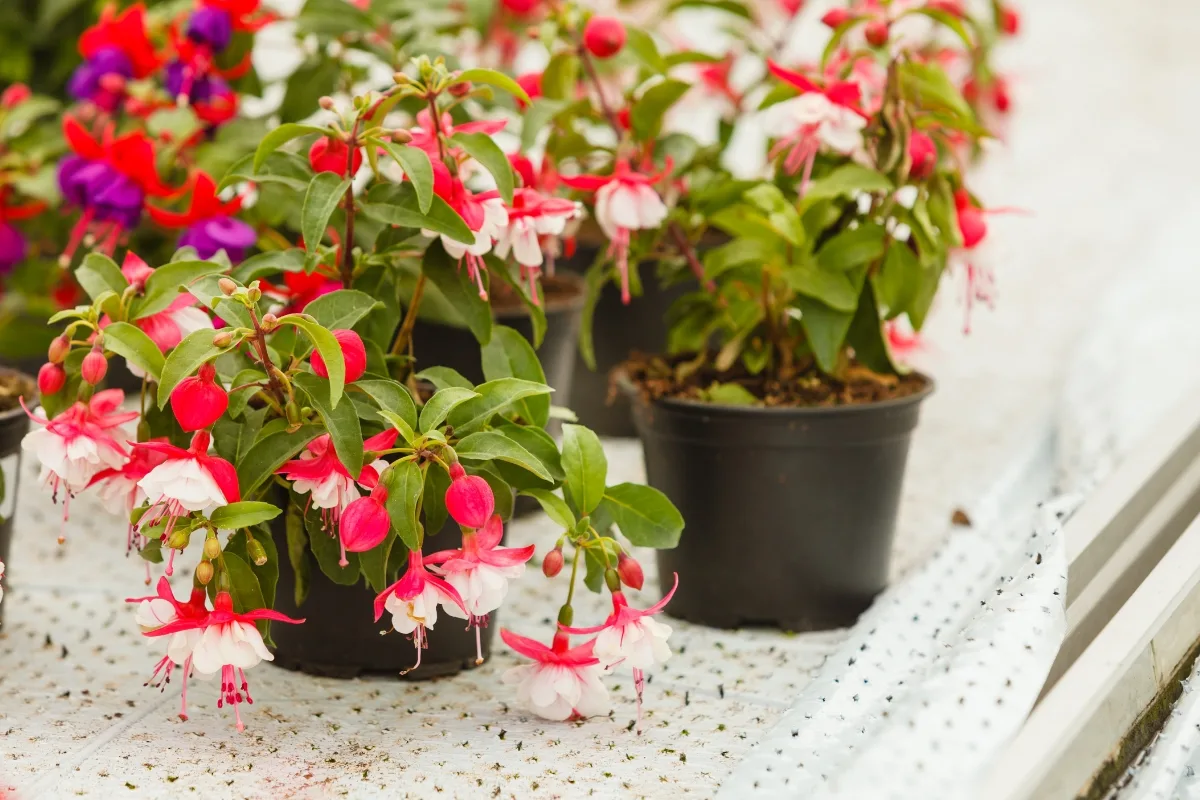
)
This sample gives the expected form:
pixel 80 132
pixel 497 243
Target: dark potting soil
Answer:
pixel 656 378
pixel 14 386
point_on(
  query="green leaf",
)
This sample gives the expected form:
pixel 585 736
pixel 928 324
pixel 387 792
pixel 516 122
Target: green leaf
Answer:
pixel 501 489
pixel 555 507
pixel 728 6
pixel 730 394
pixel 738 253
pixel 329 349
pixel 324 193
pixel 326 548
pixel 847 180
pixel 647 112
pixel 867 339
pixel 644 514
pixel 852 248
pixel 98 274
pixel 586 468
pixel 267 574
pixel 459 290
pixel 538 442
pixel 826 331
pixel 933 90
pixel 315 78
pixel 243 585
pixel 538 116
pixel 297 545
pixel 341 422
pixel 163 285
pixel 492 445
pixel 373 563
pixel 418 169
pixel 433 503
pixel 208 291
pixel 243 514
pixel 595 279
pixel 179 123
pixel 510 355
pixel 341 309
pixel 491 77
pixel 405 483
pixel 131 343
pixel 264 265
pixel 897 281
pixel 284 169
pixel 495 397
pixel 390 396
pixel 833 288
pixel 185 359
pixel 397 204
pixel 444 377
pixel 536 310
pixel 280 136
pixel 239 398
pixel 641 44
pixel 441 404
pixel 781 214
pixel 561 76
pixel 248 431
pixel 484 149
pixel 269 454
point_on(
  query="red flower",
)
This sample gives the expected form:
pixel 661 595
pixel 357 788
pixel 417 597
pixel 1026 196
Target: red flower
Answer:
pixel 364 523
pixel 204 205
pixel 199 401
pixel 469 500
pixel 354 353
pixel 604 37
pixel 332 155
pixel 125 32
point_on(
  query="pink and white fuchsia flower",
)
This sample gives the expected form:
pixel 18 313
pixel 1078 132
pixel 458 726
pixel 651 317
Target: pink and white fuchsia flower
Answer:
pixel 186 482
pixel 625 202
pixel 119 490
pixel 822 116
pixel 484 213
pixel 79 443
pixel 532 217
pixel 320 474
pixel 413 600
pixel 562 683
pixel 229 643
pixel 162 609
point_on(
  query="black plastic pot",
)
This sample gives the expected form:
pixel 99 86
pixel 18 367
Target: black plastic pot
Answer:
pixel 617 331
pixel 790 512
pixel 14 424
pixel 340 637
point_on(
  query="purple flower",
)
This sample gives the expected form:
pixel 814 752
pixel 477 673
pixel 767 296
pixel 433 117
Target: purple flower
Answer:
pixel 209 236
pixel 87 82
pixel 179 79
pixel 210 26
pixel 100 189
pixel 12 247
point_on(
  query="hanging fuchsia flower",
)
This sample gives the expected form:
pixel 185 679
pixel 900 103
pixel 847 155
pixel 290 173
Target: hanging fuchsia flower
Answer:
pixel 79 443
pixel 230 644
pixel 631 637
pixel 425 137
pixel 118 486
pixel 13 246
pixel 972 227
pixel 484 213
pixel 469 500
pixel 829 116
pixel 162 609
pixel 320 473
pixel 211 27
pixel 413 600
pixel 187 481
pixel 562 683
pixel 354 354
pixel 364 524
pixel 209 224
pixel 199 400
pixel 116 49
pixel 108 179
pixel 625 202
pixel 480 571
pixel 533 217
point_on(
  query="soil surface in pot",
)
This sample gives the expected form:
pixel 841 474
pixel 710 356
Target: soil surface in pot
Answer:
pixel 13 386
pixel 656 377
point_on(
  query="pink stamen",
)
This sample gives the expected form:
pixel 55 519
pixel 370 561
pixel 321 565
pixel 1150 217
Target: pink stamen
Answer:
pixel 76 236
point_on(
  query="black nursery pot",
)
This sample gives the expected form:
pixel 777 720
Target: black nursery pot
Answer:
pixel 14 424
pixel 790 512
pixel 340 637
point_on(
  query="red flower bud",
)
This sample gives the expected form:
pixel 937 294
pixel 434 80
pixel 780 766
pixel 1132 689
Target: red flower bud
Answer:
pixel 94 367
pixel 1010 21
pixel 791 7
pixel 14 95
pixel 876 32
pixel 524 168
pixel 522 8
pixel 625 118
pixel 630 571
pixel 837 16
pixel 469 499
pixel 972 226
pixel 365 523
pixel 923 154
pixel 51 378
pixel 354 353
pixel 952 7
pixel 604 36
pixel 60 347
pixel 1000 96
pixel 552 564
pixel 329 155
pixel 199 401
pixel 531 82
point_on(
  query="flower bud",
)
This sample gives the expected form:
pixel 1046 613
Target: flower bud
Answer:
pixel 178 540
pixel 199 401
pixel 401 79
pixel 531 82
pixel 212 548
pixel 522 8
pixel 604 37
pixel 460 89
pixel 630 571
pixel 566 615
pixel 1001 98
pixel 625 118
pixel 94 367
pixel 135 516
pixel 1010 21
pixel 204 572
pixel 330 155
pixel 51 379
pixel 326 103
pixel 257 553
pixel 364 523
pixel 552 564
pixel 269 322
pixel 469 499
pixel 253 293
pixel 400 136
pixel 14 95
pixel 60 348
pixel 923 154
pixel 971 226
pixel 354 353
pixel 612 580
pixel 222 339
pixel 876 32
pixel 836 17
pixel 228 287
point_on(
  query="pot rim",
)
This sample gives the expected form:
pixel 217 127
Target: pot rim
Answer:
pixel 576 301
pixel 31 398
pixel 625 383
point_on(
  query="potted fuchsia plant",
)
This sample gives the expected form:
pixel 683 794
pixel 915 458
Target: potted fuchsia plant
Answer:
pixel 297 456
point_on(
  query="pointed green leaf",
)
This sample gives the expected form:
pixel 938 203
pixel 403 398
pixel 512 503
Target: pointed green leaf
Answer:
pixel 341 421
pixel 131 343
pixel 98 274
pixel 390 396
pixel 484 149
pixel 491 77
pixel 509 354
pixel 417 168
pixel 644 514
pixel 269 454
pixel 404 482
pixel 495 397
pixel 555 507
pixel 164 284
pixel 441 404
pixel 243 514
pixel 325 191
pixel 280 136
pixel 585 466
pixel 491 445
pixel 328 347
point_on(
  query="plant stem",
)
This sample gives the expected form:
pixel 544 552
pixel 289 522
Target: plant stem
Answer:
pixel 689 252
pixel 348 241
pixel 404 338
pixel 574 571
pixel 590 67
pixel 260 344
